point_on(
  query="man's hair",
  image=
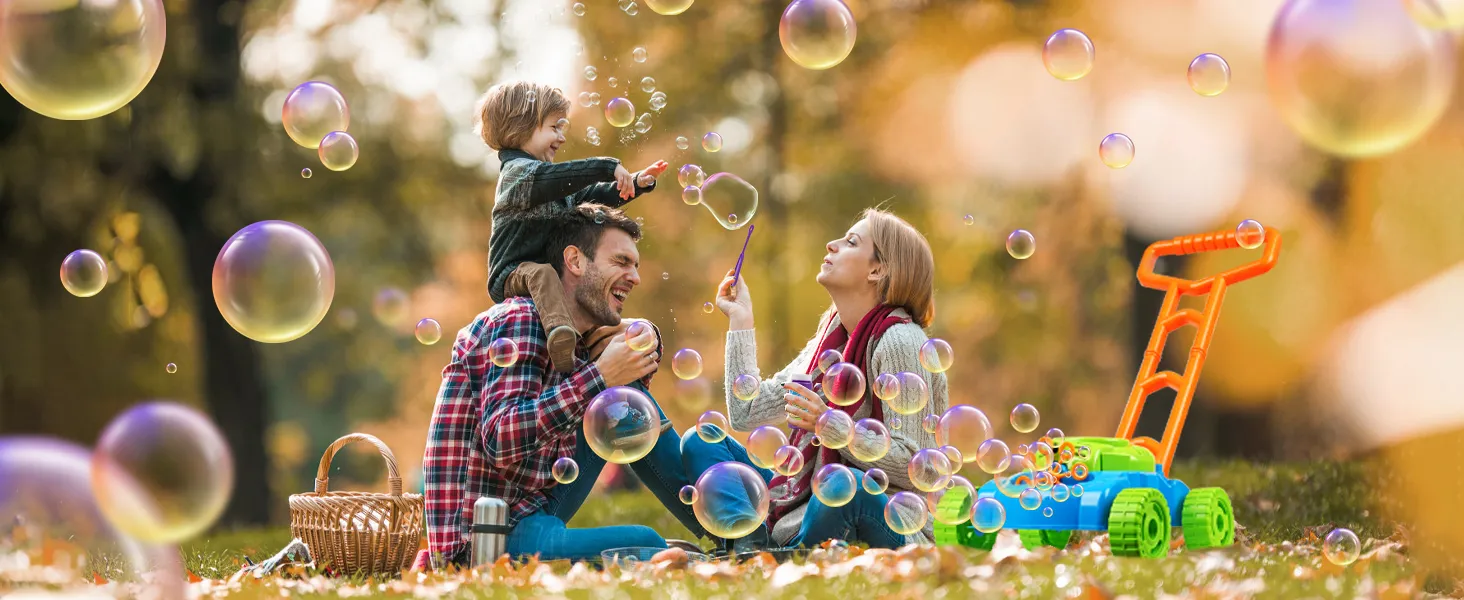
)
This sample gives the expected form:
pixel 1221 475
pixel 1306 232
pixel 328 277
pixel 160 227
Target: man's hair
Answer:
pixel 510 112
pixel 582 229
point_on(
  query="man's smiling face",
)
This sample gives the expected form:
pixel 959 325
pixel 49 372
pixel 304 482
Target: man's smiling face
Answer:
pixel 609 277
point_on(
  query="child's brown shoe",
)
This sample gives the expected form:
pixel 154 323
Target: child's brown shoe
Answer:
pixel 562 342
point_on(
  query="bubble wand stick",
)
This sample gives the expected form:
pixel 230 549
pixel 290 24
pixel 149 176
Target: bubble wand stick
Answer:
pixel 737 271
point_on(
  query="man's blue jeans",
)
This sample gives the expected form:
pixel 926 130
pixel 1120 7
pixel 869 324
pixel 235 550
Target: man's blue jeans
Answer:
pixel 545 532
pixel 861 520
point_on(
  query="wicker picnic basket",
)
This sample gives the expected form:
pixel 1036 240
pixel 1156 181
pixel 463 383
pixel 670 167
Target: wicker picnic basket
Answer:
pixel 359 533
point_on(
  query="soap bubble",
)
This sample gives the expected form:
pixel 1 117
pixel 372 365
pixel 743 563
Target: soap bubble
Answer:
pixel 731 500
pixel 969 220
pixel 669 7
pixel 631 9
pixel 834 484
pixel 579 9
pixel 1060 492
pixel 955 485
pixel 708 307
pixel 745 387
pixel 687 495
pixel 162 472
pixel 591 73
pixel 691 195
pixel 1209 74
pixel 929 469
pixel 79 60
pixel 305 173
pixel 1043 480
pixel 584 99
pixel 964 427
pixel 1055 435
pixel 1341 547
pixel 313 110
pixel 1047 512
pixel 988 515
pixel 565 470
pixel 658 101
pixel 619 112
pixel 1021 245
pixel 829 358
pixel 594 98
pixel 787 461
pixel 936 355
pixel 1016 477
pixel 763 444
pixel 682 143
pixel 887 386
pixel 84 273
pixel 1357 78
pixel 691 176
pixel 1024 418
pixel 834 428
pixel 1068 54
pixel 875 481
pixel 171 368
pixel 640 336
pixel 1041 455
pixel 338 151
pixel 906 513
pixel 871 440
pixel 621 425
pixel 732 201
pixel 712 142
pixel 1250 234
pixel 1077 490
pixel 1436 14
pixel 993 455
pixel 687 364
pixel 955 455
pixel 914 394
pixel 648 85
pixel 843 384
pixel 389 306
pixel 817 34
pixel 712 427
pixel 613 82
pixel 503 352
pixel 1030 498
pixel 428 331
pixel 273 281
pixel 1116 150
pixel 639 55
pixel 55 531
pixel 929 423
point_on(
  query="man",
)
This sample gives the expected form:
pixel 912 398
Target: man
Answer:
pixel 497 431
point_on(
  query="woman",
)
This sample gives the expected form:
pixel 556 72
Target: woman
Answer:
pixel 880 277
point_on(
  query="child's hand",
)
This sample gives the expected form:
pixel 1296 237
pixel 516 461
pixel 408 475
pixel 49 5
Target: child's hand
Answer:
pixel 648 175
pixel 624 182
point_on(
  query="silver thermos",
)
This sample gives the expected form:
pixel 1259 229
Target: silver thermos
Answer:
pixel 490 529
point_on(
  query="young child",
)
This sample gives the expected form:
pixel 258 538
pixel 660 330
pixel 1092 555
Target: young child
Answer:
pixel 526 123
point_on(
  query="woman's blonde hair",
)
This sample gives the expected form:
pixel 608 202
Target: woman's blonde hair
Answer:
pixel 510 112
pixel 908 280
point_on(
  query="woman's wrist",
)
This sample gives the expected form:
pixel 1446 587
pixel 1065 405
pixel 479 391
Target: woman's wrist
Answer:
pixel 739 323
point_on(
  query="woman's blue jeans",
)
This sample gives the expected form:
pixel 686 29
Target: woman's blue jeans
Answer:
pixel 547 534
pixel 861 520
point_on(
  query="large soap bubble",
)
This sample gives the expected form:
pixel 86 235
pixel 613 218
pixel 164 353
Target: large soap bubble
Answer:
pixel 906 513
pixel 79 59
pixel 51 523
pixel 1357 78
pixel 273 281
pixel 834 484
pixel 963 427
pixel 731 500
pixel 763 444
pixel 622 424
pixel 313 110
pixel 871 440
pixel 834 429
pixel 844 384
pixel 84 273
pixel 732 200
pixel 817 34
pixel 163 472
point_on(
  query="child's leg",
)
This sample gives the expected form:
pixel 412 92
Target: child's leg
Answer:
pixel 540 282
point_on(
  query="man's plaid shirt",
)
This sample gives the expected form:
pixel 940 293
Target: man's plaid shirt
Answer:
pixel 496 431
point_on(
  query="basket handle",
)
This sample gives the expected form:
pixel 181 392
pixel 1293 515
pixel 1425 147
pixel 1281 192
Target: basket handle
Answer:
pixel 393 476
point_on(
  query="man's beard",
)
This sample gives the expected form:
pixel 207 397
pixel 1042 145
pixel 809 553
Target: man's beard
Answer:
pixel 590 295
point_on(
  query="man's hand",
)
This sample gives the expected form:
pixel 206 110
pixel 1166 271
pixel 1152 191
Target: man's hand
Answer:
pixel 648 175
pixel 621 365
pixel 599 338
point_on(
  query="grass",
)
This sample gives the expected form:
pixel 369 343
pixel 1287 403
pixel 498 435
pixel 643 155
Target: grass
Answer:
pixel 1283 509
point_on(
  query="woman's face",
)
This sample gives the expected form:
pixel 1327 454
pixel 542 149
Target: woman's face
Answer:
pixel 850 262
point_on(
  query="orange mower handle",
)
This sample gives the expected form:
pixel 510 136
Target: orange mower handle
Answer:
pixel 1206 242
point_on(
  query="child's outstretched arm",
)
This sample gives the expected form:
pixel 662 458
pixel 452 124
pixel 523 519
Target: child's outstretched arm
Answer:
pixel 627 187
pixel 554 181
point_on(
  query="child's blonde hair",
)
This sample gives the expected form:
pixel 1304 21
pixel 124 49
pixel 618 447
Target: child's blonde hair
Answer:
pixel 510 112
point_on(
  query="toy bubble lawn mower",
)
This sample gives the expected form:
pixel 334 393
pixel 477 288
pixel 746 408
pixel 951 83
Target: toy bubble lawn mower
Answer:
pixel 1121 485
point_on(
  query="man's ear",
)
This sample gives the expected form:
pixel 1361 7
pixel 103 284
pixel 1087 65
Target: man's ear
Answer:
pixel 574 261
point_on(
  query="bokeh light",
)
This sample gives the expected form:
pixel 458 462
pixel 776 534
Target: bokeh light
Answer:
pixel 731 500
pixel 84 273
pixel 730 199
pixel 621 425
pixel 834 429
pixel 871 440
pixel 1068 54
pixel 817 34
pixel 273 281
pixel 162 472
pixel 1209 74
pixel 1357 78
pixel 906 513
pixel 389 307
pixel 565 470
pixel 79 60
pixel 834 484
pixel 338 151
pixel 687 363
pixel 1116 150
pixel 619 112
pixel 313 110
pixel 763 444
pixel 429 331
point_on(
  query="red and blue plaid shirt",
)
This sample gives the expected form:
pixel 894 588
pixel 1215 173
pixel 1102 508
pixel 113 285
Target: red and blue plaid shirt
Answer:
pixel 496 431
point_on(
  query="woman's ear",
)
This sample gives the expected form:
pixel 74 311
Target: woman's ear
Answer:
pixel 876 273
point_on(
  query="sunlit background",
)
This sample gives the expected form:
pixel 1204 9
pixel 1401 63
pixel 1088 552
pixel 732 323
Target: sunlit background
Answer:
pixel 1340 132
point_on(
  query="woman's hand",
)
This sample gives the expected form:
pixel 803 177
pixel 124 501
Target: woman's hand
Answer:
pixel 735 302
pixel 804 406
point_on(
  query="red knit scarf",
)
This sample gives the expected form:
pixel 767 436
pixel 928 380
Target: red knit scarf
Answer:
pixel 856 350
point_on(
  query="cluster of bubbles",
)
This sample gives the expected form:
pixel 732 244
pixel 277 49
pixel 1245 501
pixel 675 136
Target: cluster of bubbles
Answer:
pixel 592 135
pixel 316 116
